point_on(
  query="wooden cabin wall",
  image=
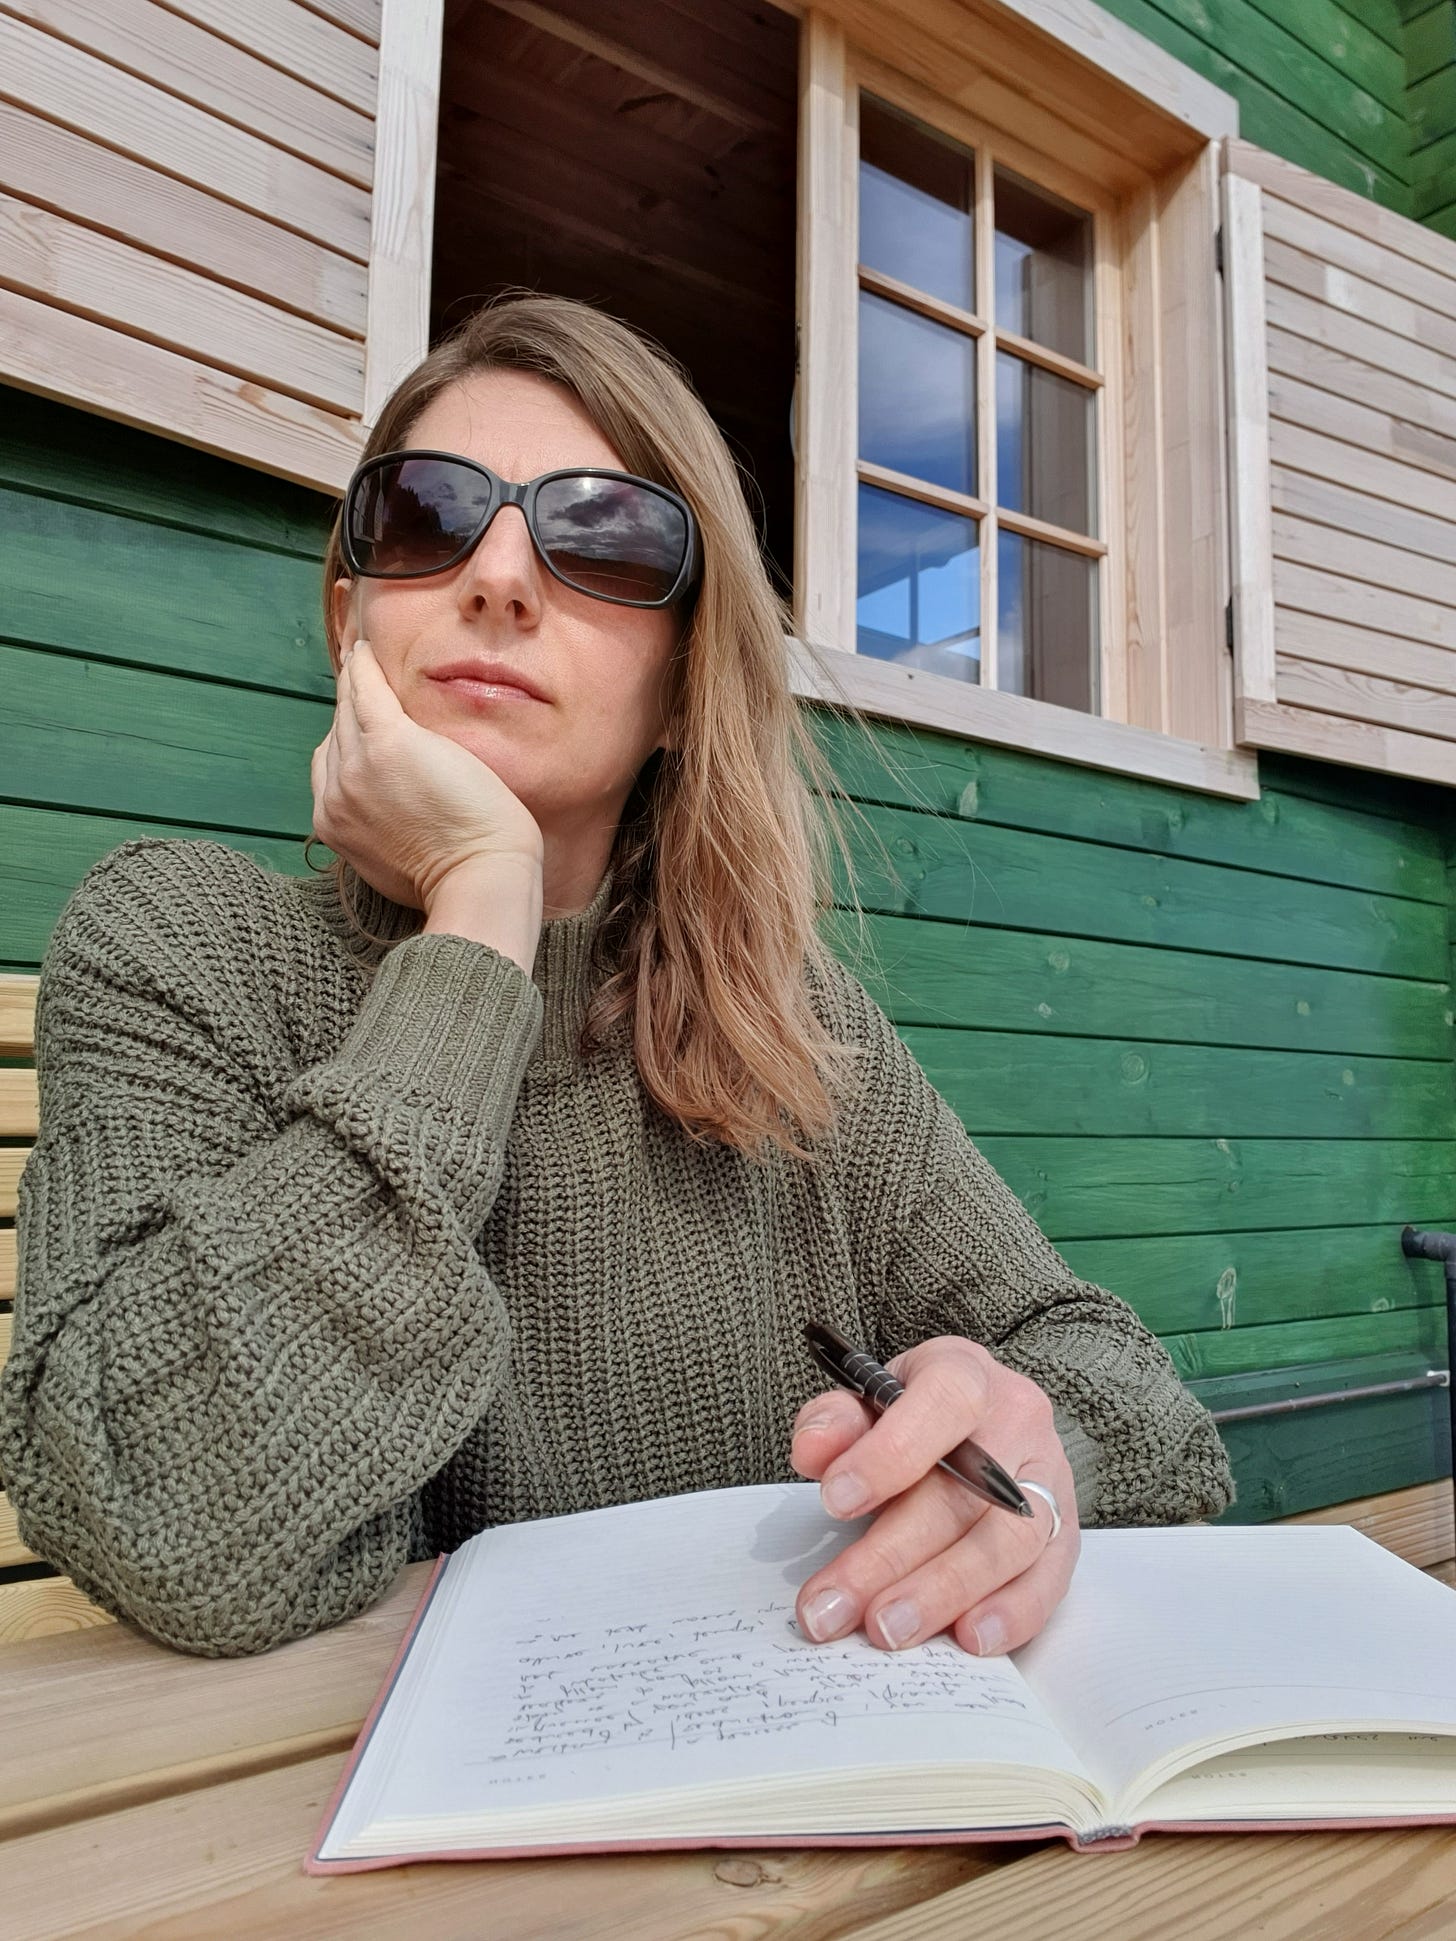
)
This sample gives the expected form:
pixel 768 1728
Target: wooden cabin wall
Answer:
pixel 1320 82
pixel 1209 1043
pixel 1430 72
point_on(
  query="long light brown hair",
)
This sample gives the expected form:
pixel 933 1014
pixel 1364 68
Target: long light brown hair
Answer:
pixel 721 863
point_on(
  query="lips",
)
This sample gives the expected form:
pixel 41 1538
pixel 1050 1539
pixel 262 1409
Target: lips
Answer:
pixel 488 673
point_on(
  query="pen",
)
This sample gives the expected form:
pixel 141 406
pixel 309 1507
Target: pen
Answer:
pixel 968 1462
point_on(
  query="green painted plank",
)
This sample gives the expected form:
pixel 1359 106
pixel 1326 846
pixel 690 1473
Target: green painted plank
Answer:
pixel 1435 194
pixel 1286 1463
pixel 1274 64
pixel 939 973
pixel 1382 17
pixel 1283 834
pixel 1087 1189
pixel 1443 221
pixel 70 454
pixel 1348 48
pixel 1392 797
pixel 1431 106
pixel 1000 878
pixel 1009 1082
pixel 1434 161
pixel 1430 41
pixel 1186 1283
pixel 118 588
pixel 1292 129
pixel 44 853
pixel 1236 1351
pixel 123 741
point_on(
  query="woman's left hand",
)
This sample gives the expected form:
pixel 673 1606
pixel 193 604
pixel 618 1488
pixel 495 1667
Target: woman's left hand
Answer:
pixel 938 1556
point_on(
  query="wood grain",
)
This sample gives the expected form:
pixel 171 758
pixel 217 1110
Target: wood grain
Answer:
pixel 19 1104
pixel 44 1607
pixel 197 66
pixel 1204 1888
pixel 1415 1523
pixel 97 1722
pixel 12 1162
pixel 226 1860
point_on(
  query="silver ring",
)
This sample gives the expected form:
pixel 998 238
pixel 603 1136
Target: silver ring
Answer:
pixel 1039 1489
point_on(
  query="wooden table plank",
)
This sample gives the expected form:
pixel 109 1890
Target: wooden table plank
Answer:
pixel 226 1860
pixel 1205 1887
pixel 99 1719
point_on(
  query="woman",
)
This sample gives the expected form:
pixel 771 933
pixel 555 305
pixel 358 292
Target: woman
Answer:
pixel 494 1174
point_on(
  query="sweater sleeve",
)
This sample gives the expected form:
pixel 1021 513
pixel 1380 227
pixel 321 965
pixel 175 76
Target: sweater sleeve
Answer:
pixel 245 1338
pixel 946 1248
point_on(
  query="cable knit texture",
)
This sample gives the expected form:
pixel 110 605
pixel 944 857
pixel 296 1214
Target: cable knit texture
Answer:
pixel 333 1254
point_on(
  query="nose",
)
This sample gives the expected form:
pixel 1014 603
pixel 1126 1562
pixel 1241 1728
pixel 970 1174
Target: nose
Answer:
pixel 503 574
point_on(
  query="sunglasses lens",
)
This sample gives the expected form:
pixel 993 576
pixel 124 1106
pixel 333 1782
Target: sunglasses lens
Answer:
pixel 612 537
pixel 414 514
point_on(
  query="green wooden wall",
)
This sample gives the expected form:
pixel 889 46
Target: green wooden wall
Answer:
pixel 1208 1043
pixel 1430 64
pixel 1321 82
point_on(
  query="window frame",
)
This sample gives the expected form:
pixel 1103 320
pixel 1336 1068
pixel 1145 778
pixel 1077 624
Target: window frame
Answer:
pixel 1137 729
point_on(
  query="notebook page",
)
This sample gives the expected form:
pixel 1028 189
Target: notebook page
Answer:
pixel 653 1646
pixel 1171 1636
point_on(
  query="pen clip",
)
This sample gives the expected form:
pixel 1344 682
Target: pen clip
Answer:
pixel 836 1356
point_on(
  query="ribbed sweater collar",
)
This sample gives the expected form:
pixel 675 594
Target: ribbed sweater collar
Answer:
pixel 563 971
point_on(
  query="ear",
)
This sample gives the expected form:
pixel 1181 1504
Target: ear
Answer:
pixel 340 598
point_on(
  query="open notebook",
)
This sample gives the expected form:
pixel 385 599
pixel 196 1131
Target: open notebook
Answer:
pixel 634 1677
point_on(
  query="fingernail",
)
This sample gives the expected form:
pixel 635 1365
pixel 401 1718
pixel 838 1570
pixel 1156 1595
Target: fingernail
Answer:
pixel 826 1612
pixel 814 1422
pixel 990 1636
pixel 844 1494
pixel 899 1622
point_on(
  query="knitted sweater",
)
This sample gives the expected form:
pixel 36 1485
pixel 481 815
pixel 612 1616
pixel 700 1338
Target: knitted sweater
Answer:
pixel 333 1254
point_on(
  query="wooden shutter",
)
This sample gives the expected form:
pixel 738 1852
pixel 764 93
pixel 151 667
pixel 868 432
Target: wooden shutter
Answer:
pixel 215 220
pixel 1342 372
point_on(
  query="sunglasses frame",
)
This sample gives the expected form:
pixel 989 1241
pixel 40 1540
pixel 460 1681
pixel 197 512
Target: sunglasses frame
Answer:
pixel 504 492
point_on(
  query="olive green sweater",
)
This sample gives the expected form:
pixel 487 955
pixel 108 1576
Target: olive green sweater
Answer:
pixel 333 1254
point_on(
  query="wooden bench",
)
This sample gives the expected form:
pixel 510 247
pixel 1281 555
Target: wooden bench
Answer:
pixel 32 1605
pixel 1415 1523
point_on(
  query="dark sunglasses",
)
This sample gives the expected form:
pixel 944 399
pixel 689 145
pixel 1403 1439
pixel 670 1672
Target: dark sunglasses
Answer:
pixel 611 535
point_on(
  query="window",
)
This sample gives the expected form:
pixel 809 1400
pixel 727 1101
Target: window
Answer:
pixel 978 491
pixel 1011 498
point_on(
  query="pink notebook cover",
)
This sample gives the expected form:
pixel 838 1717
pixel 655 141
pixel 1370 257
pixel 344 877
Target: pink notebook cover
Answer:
pixel 1115 1841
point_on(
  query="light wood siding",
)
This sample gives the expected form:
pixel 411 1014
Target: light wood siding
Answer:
pixel 1342 333
pixel 215 224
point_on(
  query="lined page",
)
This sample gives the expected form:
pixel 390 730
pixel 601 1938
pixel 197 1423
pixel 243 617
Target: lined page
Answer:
pixel 653 1647
pixel 1172 1636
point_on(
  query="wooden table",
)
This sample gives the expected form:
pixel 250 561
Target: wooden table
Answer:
pixel 143 1792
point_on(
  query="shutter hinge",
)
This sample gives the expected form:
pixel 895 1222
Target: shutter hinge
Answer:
pixel 1218 249
pixel 1228 625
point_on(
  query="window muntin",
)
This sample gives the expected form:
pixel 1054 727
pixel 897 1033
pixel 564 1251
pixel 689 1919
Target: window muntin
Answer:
pixel 1023 502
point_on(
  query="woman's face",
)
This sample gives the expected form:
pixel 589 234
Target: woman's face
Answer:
pixel 572 757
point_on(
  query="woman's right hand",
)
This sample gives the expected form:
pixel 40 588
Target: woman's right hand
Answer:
pixel 412 811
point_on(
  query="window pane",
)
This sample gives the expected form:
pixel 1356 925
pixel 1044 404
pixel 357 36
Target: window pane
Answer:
pixel 1043 268
pixel 916 197
pixel 917 395
pixel 919 585
pixel 1046 615
pixel 1044 445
